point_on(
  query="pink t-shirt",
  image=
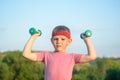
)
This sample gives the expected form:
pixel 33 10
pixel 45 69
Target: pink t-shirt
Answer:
pixel 58 66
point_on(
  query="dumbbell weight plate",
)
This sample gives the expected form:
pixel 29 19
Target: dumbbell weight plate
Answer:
pixel 32 31
pixel 40 32
pixel 88 33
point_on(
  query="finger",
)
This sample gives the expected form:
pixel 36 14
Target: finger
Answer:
pixel 38 32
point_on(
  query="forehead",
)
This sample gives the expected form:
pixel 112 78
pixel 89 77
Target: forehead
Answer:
pixel 60 36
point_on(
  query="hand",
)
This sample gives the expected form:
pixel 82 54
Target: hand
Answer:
pixel 85 38
pixel 38 32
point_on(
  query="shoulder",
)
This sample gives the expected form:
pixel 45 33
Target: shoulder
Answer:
pixel 42 53
pixel 77 57
pixel 76 54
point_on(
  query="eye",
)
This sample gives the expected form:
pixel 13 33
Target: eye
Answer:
pixel 62 39
pixel 55 39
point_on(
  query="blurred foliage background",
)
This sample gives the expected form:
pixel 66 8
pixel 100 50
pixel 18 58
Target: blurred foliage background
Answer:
pixel 13 66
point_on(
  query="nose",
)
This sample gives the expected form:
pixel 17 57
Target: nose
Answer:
pixel 58 41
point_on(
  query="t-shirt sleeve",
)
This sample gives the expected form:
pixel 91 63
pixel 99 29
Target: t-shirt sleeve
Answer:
pixel 40 56
pixel 77 58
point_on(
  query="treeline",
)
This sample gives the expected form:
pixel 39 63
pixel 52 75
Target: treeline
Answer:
pixel 13 66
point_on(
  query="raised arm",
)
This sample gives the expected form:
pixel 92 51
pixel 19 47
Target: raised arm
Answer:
pixel 27 52
pixel 91 51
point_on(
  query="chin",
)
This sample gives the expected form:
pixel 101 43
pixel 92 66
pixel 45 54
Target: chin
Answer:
pixel 58 51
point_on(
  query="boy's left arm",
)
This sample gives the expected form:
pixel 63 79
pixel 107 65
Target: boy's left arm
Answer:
pixel 91 51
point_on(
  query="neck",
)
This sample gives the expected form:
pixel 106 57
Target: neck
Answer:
pixel 60 51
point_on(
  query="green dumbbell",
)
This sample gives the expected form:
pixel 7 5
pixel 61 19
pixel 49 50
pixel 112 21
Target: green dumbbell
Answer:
pixel 33 31
pixel 87 33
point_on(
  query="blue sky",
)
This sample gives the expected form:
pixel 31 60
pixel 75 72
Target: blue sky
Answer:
pixel 100 16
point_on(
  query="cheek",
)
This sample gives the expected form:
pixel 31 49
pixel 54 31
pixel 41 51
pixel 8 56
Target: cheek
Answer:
pixel 53 42
pixel 66 43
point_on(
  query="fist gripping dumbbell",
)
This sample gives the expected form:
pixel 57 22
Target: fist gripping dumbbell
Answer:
pixel 33 31
pixel 87 33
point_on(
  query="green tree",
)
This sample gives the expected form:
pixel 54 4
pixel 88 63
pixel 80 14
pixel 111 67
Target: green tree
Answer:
pixel 4 71
pixel 20 68
pixel 113 74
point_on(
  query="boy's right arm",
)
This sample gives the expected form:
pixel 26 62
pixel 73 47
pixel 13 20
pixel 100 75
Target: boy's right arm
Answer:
pixel 27 53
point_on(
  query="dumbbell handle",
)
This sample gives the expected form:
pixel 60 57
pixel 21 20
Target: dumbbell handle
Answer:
pixel 33 31
pixel 87 33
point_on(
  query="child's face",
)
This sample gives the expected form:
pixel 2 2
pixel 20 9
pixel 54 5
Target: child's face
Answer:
pixel 60 43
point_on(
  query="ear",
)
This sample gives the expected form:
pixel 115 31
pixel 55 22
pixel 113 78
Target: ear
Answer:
pixel 69 41
pixel 51 40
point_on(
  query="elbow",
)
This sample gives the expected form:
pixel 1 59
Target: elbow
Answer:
pixel 23 54
pixel 93 58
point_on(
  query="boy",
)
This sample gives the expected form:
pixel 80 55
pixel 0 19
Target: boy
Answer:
pixel 58 64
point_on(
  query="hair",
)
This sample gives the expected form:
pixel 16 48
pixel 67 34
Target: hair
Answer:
pixel 60 28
